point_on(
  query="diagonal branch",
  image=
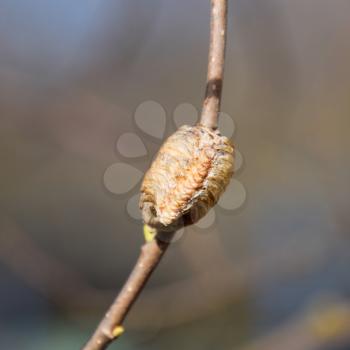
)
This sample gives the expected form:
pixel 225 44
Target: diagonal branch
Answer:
pixel 151 253
pixel 110 327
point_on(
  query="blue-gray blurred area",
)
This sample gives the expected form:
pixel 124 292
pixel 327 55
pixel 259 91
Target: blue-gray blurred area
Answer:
pixel 272 275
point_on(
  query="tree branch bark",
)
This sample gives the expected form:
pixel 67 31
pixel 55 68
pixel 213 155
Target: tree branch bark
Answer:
pixel 110 327
pixel 216 59
pixel 151 253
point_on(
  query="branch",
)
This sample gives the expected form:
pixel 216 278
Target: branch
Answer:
pixel 151 253
pixel 110 327
pixel 216 59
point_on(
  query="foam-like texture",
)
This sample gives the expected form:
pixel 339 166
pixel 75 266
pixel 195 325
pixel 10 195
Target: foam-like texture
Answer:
pixel 187 177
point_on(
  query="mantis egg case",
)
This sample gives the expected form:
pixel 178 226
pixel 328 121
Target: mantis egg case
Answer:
pixel 187 177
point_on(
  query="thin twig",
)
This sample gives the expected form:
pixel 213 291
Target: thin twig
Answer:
pixel 151 253
pixel 216 59
pixel 110 327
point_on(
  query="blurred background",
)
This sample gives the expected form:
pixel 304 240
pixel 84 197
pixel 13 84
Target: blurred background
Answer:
pixel 273 274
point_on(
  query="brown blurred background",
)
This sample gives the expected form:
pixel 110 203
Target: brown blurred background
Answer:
pixel 274 273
